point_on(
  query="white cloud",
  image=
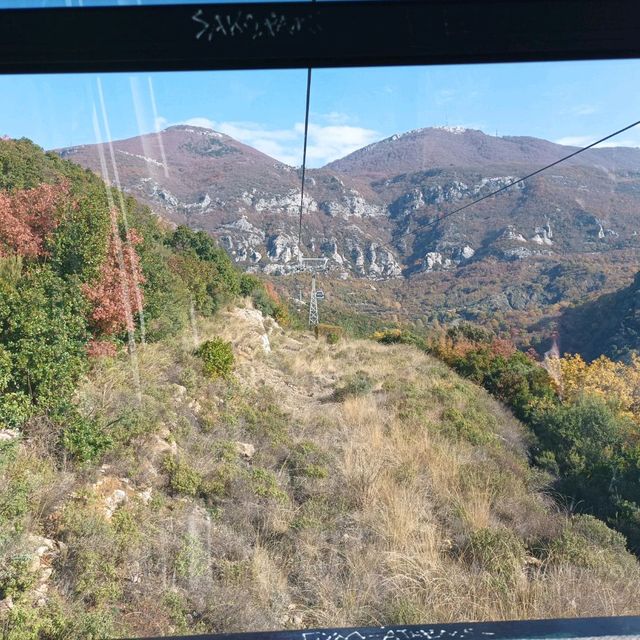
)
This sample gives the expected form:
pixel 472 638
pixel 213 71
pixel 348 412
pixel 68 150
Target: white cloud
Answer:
pixel 623 142
pixel 444 96
pixel 583 141
pixel 205 123
pixel 575 141
pixel 335 117
pixel 585 110
pixel 160 123
pixel 326 142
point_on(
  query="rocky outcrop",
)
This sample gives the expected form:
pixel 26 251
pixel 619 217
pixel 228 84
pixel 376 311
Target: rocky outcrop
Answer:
pixel 40 554
pixel 283 248
pixel 382 263
pixel 434 260
pixel 7 435
pixel 543 235
pixel 351 204
pixel 389 188
pixel 286 203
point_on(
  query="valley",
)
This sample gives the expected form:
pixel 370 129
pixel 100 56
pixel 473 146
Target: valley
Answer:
pixel 562 237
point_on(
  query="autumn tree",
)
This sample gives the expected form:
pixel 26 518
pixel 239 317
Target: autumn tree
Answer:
pixel 117 295
pixel 28 217
pixel 616 382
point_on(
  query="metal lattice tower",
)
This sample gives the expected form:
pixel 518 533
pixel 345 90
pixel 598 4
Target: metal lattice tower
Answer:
pixel 313 304
pixel 314 265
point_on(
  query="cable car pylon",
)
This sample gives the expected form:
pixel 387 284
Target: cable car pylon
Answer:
pixel 314 265
pixel 314 318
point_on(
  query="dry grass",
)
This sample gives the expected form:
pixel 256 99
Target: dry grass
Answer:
pixel 364 511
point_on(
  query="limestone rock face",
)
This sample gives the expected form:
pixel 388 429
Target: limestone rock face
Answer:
pixel 112 492
pixel 435 260
pixel 283 248
pixel 6 435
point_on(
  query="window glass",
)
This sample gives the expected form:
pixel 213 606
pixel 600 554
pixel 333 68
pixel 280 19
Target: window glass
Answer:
pixel 408 397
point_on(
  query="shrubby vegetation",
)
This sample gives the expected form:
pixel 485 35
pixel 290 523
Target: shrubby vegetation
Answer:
pixel 217 357
pixel 585 417
pixel 75 277
pixel 82 284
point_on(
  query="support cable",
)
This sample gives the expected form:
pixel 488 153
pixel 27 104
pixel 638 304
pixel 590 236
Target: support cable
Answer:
pixel 448 214
pixel 304 155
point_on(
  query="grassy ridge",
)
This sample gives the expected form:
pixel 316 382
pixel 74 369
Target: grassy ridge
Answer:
pixel 318 485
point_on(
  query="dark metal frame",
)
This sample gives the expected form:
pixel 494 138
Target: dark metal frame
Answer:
pixel 325 34
pixel 623 627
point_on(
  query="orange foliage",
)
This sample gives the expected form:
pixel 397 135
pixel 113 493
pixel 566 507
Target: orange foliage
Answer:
pixel 27 218
pixel 117 295
pixel 101 349
pixel 502 347
pixel 271 292
pixel 449 349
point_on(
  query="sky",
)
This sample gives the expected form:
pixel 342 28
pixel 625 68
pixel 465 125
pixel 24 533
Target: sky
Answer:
pixel 568 102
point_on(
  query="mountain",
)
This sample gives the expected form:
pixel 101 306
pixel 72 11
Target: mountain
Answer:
pixel 609 325
pixel 250 201
pixel 375 213
pixel 423 149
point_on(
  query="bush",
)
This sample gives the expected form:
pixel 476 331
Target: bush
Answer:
pixel 468 425
pixel 84 438
pixel 16 576
pixel 308 460
pixel 192 558
pixel 15 409
pixel 248 284
pixel 357 384
pixel 588 543
pixel 398 336
pixel 217 356
pixel 497 551
pixel 470 332
pixel 586 443
pixel 265 485
pixel 281 315
pixel 183 478
pixel 333 333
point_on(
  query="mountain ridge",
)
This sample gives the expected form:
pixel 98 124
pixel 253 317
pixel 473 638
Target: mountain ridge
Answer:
pixel 375 213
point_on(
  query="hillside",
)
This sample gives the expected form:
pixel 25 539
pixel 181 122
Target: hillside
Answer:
pixel 173 460
pixel 424 149
pixel 302 492
pixel 367 213
pixel 249 200
pixel 609 324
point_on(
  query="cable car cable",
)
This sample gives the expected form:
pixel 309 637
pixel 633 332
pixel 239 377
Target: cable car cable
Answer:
pixel 431 223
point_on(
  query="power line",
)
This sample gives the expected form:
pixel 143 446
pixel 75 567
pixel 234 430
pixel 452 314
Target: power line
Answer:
pixel 431 223
pixel 304 154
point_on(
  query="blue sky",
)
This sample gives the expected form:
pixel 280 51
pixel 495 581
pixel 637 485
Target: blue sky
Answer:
pixel 569 102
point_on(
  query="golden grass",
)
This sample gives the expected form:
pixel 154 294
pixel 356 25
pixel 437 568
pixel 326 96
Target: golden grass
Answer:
pixel 381 530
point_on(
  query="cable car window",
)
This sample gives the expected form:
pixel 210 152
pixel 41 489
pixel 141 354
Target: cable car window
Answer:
pixel 191 444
